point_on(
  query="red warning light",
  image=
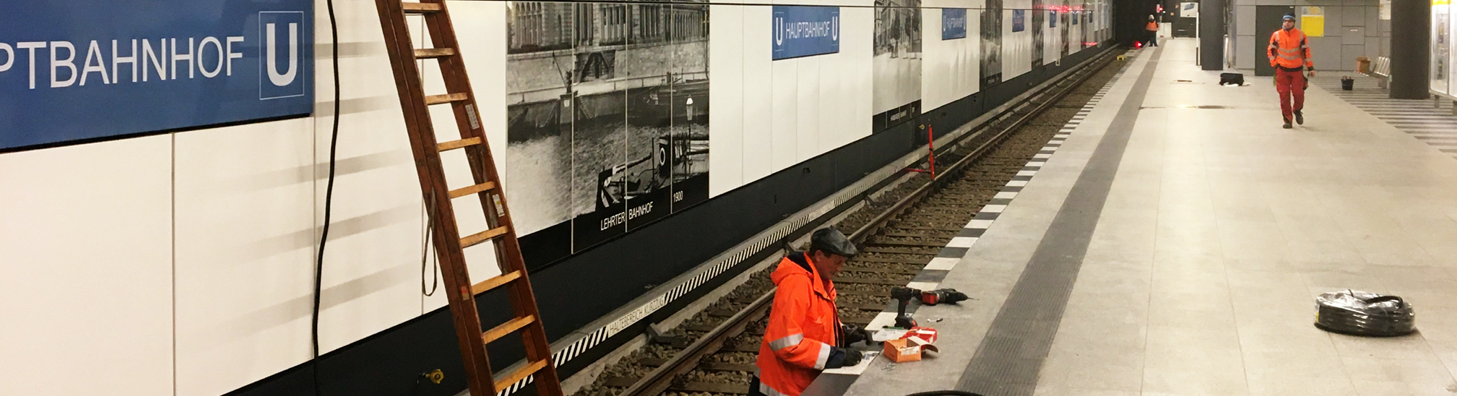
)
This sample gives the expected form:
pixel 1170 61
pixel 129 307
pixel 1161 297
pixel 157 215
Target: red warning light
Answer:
pixel 1160 7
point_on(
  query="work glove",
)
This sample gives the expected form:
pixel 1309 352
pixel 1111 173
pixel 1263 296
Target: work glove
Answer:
pixel 852 357
pixel 854 334
pixel 842 357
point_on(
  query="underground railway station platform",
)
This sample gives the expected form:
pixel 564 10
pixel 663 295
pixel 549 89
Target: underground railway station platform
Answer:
pixel 187 211
pixel 1173 241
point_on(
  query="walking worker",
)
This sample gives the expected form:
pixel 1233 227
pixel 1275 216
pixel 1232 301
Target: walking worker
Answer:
pixel 1153 32
pixel 805 335
pixel 1290 55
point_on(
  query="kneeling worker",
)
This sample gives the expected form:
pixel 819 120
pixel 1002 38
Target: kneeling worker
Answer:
pixel 805 335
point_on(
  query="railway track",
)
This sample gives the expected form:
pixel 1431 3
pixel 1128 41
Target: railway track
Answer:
pixel 900 230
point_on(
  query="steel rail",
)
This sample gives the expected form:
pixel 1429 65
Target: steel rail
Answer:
pixel 1084 72
pixel 661 378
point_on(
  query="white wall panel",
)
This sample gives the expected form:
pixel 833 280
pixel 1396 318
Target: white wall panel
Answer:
pixel 855 49
pixel 1074 32
pixel 793 109
pixel 951 67
pixel 86 279
pixel 807 119
pixel 759 109
pixel 1016 46
pixel 1052 37
pixel 481 28
pixel 938 58
pixel 836 95
pixel 371 265
pixel 484 48
pixel 785 108
pixel 726 93
pixel 245 249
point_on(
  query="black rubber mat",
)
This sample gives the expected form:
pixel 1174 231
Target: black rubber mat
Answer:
pixel 1010 357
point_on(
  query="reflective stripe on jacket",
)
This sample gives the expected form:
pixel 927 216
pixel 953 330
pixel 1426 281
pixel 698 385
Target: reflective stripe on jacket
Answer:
pixel 803 330
pixel 1289 51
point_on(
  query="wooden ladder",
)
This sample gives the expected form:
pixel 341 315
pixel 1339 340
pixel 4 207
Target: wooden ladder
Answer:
pixel 449 245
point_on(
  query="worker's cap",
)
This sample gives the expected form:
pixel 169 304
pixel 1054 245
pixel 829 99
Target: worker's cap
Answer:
pixel 1150 17
pixel 832 241
pixel 1289 17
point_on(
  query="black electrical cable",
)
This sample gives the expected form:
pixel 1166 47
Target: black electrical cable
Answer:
pixel 425 251
pixel 1364 314
pixel 328 198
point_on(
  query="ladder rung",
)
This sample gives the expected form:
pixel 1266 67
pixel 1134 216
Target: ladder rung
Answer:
pixel 434 53
pixel 482 237
pixel 455 144
pixel 471 190
pixel 446 98
pixel 419 8
pixel 506 328
pixel 495 282
pixel 520 374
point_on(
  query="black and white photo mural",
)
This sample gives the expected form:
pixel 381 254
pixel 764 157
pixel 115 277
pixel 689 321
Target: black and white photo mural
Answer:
pixel 1086 12
pixel 897 62
pixel 1039 16
pixel 991 44
pixel 607 119
pixel 1064 19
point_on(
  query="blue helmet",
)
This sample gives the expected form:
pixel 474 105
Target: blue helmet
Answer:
pixel 1289 17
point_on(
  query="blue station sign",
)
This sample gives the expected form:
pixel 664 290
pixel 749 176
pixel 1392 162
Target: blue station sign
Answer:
pixel 1019 20
pixel 953 23
pixel 83 70
pixel 801 31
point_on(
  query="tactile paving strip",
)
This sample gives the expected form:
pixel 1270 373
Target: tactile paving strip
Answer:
pixel 1434 125
pixel 934 272
pixel 1009 359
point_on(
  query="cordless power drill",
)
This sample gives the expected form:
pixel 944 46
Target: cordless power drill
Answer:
pixel 904 295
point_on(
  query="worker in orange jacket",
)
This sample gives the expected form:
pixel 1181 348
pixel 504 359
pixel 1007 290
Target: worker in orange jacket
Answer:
pixel 1290 55
pixel 1153 31
pixel 804 335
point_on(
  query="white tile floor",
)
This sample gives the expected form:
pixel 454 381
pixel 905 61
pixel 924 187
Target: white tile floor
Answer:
pixel 1219 230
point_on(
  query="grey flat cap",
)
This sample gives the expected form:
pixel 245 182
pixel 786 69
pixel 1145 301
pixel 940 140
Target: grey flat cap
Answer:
pixel 833 241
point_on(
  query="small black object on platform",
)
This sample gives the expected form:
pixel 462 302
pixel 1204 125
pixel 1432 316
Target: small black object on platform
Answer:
pixel 1347 83
pixel 1231 79
pixel 1364 314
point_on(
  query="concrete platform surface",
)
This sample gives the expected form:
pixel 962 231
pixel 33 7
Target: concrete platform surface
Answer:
pixel 1175 241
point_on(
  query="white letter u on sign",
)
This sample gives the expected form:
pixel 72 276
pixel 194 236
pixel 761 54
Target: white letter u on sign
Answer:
pixel 287 77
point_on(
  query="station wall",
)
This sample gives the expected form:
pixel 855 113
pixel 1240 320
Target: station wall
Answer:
pixel 182 263
pixel 774 114
pixel 1352 28
pixel 952 67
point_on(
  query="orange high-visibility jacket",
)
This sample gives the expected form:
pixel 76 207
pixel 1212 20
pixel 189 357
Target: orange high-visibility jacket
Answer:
pixel 1288 50
pixel 803 331
pixel 1152 26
